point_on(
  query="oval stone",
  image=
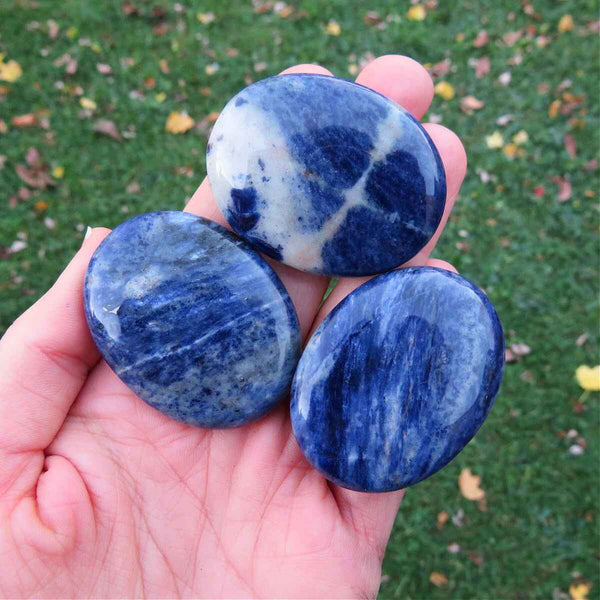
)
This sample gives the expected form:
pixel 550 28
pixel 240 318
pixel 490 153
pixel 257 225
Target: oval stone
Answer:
pixel 192 319
pixel 326 175
pixel 397 379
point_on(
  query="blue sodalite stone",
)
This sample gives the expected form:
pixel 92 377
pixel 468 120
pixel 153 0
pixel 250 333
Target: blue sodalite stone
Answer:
pixel 397 379
pixel 192 319
pixel 326 175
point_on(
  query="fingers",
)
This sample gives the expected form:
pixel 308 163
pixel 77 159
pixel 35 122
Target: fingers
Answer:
pixel 45 357
pixel 306 290
pixel 402 80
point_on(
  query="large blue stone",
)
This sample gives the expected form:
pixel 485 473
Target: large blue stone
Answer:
pixel 397 379
pixel 326 175
pixel 192 319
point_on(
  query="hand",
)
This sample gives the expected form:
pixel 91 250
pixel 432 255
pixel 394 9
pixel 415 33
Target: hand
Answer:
pixel 101 495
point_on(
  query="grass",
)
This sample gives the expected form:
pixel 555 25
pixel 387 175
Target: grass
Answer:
pixel 536 257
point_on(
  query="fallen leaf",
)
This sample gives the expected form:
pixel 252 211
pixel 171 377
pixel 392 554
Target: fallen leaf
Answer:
pixel 34 177
pixel 576 450
pixel 232 52
pixel 3 160
pixel 475 558
pixel 460 37
pixel 87 103
pixel 588 377
pixel 160 97
pixel 438 579
pixel 71 67
pixel 579 591
pixel 527 376
pixel 469 104
pixel 539 191
pixel 482 67
pixel 566 24
pixel 512 37
pixel 53 28
pixel 442 518
pixel 372 17
pixel 521 138
pixel 260 66
pixel 564 188
pixel 505 78
pixel 504 120
pixel 17 246
pixel 494 141
pixel 482 39
pixel 164 66
pixel 591 165
pixel 469 485
pixel 570 145
pixel 444 89
pixel 33 157
pixel 205 18
pixel 459 518
pixel 133 188
pixel 211 69
pixel 416 13
pixel 104 69
pixel 10 71
pixel 333 28
pixel 150 83
pixel 40 206
pixel 453 548
pixel 520 349
pixel 441 68
pixel 582 339
pixel 108 128
pixel 542 41
pixel 553 109
pixel 50 223
pixel 58 172
pixel 543 88
pixel 178 123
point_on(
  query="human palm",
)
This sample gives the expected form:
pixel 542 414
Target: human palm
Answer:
pixel 101 495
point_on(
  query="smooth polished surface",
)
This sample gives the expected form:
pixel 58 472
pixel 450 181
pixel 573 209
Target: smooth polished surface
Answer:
pixel 192 319
pixel 397 379
pixel 326 175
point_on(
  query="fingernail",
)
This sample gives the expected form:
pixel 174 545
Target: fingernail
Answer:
pixel 88 232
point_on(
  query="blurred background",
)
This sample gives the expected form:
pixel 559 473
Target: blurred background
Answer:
pixel 105 108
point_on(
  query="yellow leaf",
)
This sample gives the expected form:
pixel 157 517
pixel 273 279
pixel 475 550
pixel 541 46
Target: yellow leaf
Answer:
pixel 469 485
pixel 333 28
pixel 460 37
pixel 553 110
pixel 438 579
pixel 353 69
pixel 10 71
pixel 87 103
pixel 206 18
pixel 160 97
pixel 579 591
pixel 179 123
pixel 494 141
pixel 521 138
pixel 588 377
pixel 72 32
pixel 510 150
pixel 566 23
pixel 416 13
pixel 58 172
pixel 444 89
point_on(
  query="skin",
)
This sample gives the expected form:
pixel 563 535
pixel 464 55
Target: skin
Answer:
pixel 102 496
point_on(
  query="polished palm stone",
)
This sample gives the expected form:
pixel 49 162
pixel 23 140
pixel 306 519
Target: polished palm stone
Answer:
pixel 326 175
pixel 192 319
pixel 397 379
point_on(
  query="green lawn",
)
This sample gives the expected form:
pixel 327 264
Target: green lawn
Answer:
pixel 536 256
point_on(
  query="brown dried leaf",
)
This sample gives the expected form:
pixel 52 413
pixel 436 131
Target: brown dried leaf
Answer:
pixel 33 158
pixel 564 188
pixel 34 177
pixel 442 518
pixel 482 39
pixel 512 37
pixel 482 66
pixel 469 104
pixel 104 69
pixel 582 339
pixel 372 17
pixel 71 67
pixel 475 558
pixel 27 120
pixel 440 69
pixel 469 485
pixel 106 127
pixel 438 579
pixel 570 145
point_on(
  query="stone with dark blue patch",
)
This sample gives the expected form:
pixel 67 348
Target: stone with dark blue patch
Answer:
pixel 192 319
pixel 397 379
pixel 343 181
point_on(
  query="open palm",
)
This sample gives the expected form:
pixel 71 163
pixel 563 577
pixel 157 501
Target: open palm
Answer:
pixel 101 495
